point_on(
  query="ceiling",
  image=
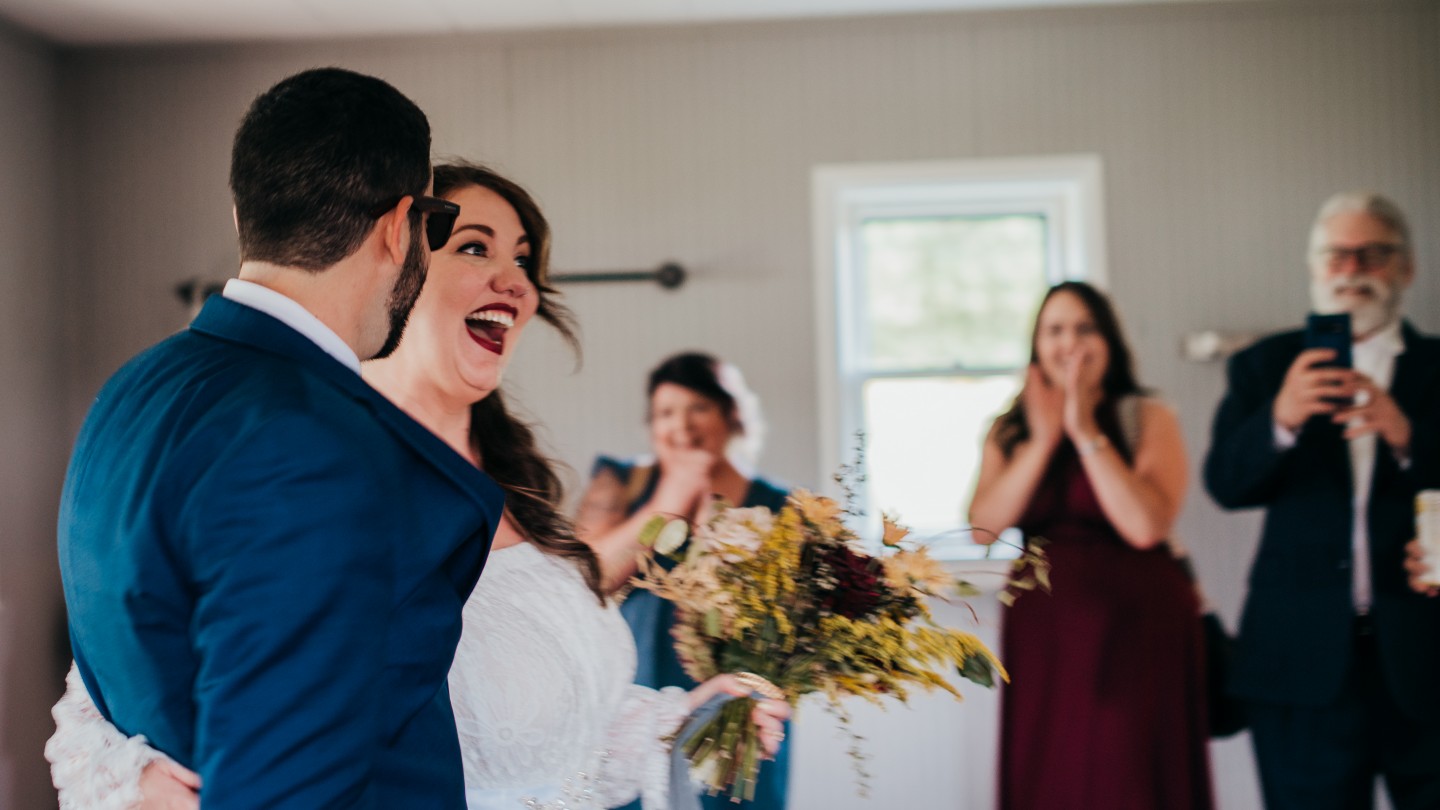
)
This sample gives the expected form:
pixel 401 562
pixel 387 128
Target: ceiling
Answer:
pixel 98 22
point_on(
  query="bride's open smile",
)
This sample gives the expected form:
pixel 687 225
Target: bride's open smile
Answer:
pixel 478 298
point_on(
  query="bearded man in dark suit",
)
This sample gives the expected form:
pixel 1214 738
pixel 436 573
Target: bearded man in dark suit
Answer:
pixel 1338 655
pixel 264 559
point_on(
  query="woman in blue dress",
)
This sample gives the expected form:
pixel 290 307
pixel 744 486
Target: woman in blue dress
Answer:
pixel 704 424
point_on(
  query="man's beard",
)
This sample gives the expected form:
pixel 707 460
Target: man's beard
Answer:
pixel 406 289
pixel 1365 316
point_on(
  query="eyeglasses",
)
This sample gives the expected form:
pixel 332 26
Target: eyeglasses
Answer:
pixel 439 216
pixel 1368 256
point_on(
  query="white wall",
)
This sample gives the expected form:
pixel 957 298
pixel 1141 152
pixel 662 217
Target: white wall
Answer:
pixel 32 445
pixel 1221 128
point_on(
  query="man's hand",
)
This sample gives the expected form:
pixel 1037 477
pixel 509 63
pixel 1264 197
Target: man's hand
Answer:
pixel 165 785
pixel 1418 569
pixel 1375 411
pixel 1309 391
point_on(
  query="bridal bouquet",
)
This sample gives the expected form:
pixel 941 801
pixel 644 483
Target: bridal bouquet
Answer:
pixel 793 601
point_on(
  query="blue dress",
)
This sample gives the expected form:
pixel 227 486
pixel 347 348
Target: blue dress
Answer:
pixel 650 618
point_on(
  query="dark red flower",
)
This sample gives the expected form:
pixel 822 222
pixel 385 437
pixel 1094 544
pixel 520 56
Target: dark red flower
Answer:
pixel 857 588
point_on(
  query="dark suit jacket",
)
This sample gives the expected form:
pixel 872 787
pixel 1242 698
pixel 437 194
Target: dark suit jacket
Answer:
pixel 265 562
pixel 1295 632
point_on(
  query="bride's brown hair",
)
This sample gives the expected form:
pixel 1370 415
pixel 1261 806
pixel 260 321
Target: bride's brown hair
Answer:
pixel 505 443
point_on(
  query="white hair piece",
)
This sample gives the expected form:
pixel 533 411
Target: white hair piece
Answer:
pixel 749 439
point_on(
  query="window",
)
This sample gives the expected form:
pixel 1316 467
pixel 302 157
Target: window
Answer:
pixel 927 279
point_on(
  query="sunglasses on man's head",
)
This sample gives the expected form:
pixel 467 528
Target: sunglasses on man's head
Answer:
pixel 439 216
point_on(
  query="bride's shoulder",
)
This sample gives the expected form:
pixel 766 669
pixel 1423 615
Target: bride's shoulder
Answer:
pixel 524 571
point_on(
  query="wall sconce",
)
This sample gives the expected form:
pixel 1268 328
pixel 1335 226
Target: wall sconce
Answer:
pixel 192 292
pixel 1210 346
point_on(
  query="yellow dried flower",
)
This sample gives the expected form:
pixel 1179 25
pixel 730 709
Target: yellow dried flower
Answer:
pixel 816 508
pixel 894 532
pixel 916 571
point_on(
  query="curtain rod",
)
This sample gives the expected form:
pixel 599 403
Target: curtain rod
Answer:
pixel 670 275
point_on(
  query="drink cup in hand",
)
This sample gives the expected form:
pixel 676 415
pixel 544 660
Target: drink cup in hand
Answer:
pixel 1427 531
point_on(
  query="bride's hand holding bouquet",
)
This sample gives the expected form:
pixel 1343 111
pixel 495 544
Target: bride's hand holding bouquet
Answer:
pixel 791 604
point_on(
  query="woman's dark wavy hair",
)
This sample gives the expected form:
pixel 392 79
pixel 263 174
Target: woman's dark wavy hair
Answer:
pixel 505 443
pixel 700 373
pixel 1119 381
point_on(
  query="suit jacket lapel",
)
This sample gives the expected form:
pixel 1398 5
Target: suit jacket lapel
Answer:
pixel 1415 366
pixel 236 323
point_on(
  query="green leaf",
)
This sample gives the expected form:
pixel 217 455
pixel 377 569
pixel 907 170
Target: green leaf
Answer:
pixel 712 623
pixel 978 670
pixel 769 631
pixel 964 588
pixel 651 530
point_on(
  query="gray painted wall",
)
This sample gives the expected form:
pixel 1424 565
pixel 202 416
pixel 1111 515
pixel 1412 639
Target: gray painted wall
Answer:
pixel 33 444
pixel 1221 127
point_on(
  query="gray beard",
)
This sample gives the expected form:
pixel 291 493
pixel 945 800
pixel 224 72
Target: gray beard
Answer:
pixel 1365 319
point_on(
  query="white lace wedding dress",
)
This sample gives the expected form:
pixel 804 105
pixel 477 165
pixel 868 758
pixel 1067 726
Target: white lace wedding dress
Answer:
pixel 547 715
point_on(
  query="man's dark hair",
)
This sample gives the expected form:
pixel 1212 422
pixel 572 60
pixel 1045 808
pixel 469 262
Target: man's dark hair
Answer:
pixel 315 156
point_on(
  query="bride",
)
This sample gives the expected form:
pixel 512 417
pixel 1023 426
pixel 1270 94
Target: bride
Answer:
pixel 541 684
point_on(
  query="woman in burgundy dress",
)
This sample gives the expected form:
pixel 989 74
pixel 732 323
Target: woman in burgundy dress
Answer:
pixel 1106 704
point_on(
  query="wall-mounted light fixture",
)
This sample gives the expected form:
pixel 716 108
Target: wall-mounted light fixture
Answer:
pixel 192 292
pixel 1210 346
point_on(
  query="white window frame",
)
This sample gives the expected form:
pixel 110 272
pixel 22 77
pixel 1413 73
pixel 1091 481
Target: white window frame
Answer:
pixel 1068 189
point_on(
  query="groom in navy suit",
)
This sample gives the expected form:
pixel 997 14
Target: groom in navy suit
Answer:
pixel 1338 657
pixel 264 560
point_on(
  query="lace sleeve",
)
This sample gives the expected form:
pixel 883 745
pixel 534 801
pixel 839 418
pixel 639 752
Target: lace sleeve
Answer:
pixel 639 754
pixel 93 765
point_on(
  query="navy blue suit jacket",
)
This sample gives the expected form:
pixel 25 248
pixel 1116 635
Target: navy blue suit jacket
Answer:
pixel 265 562
pixel 1295 632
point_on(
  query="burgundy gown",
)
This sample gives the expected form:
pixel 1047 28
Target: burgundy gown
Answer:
pixel 1105 709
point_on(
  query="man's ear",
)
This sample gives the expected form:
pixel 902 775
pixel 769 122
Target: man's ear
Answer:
pixel 235 218
pixel 1408 275
pixel 394 228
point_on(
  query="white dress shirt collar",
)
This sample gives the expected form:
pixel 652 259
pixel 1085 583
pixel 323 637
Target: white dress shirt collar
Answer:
pixel 1379 347
pixel 289 312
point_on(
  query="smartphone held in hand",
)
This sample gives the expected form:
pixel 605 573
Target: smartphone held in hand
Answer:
pixel 1330 332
